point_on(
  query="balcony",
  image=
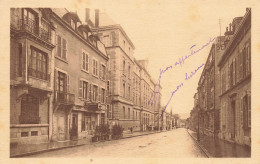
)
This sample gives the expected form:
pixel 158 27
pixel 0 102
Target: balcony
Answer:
pixel 37 74
pixel 32 27
pixel 64 97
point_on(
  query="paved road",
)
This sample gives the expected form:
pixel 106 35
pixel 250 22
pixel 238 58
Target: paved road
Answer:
pixel 175 143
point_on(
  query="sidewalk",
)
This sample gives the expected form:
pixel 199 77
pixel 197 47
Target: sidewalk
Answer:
pixel 29 149
pixel 220 148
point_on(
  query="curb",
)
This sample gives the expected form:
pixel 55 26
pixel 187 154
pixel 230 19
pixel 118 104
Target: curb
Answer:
pixel 70 146
pixel 201 147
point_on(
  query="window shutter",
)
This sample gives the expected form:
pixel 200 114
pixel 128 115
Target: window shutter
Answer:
pixel 68 84
pixel 99 94
pixel 65 49
pixel 82 61
pixel 87 65
pixel 80 88
pixel 55 84
pixel 90 92
pixel 56 44
pixel 100 73
pixel 93 65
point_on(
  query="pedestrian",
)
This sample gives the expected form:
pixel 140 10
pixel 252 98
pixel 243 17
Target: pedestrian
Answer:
pixel 131 129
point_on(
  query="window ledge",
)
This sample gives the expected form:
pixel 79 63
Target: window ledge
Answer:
pixel 61 59
pixel 38 78
pixel 28 125
pixel 83 70
pixel 95 76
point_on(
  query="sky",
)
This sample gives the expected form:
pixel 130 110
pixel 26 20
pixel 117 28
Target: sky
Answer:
pixel 164 31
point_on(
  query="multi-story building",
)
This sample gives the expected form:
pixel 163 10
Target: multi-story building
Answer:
pixel 130 83
pixel 209 89
pixel 235 77
pixel 80 85
pixel 31 75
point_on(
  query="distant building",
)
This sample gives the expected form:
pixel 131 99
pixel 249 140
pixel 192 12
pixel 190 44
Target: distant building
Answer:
pixel 131 85
pixel 209 90
pixel 235 78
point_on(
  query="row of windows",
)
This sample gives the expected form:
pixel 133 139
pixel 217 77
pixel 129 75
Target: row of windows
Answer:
pixel 127 114
pixel 238 69
pixel 61 52
pixel 91 92
pixel 128 70
pixel 244 113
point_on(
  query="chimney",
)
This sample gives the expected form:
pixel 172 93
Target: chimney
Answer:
pixel 87 11
pixel 96 17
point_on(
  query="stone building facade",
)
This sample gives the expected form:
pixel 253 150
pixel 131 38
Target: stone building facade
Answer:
pixel 235 73
pixel 209 89
pixel 80 85
pixel 31 75
pixel 130 84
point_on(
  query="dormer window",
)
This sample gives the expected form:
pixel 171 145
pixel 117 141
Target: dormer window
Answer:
pixel 73 24
pixel 85 35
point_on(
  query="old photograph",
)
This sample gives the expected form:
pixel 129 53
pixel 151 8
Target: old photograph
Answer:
pixel 139 79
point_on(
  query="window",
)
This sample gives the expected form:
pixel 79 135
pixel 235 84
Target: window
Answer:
pixel 85 90
pixel 129 50
pixel 124 44
pixel 102 118
pixel 123 89
pixel 34 133
pixel 89 125
pixel 64 49
pixel 85 35
pixel 37 64
pixel 19 61
pixel 107 40
pixel 123 67
pixel 58 46
pixel 124 117
pixel 95 67
pixel 61 47
pixel 103 95
pixel 29 110
pixel 129 71
pixel 103 72
pixel 133 115
pixel 85 61
pixel 246 104
pixel 83 123
pixel 129 92
pixel 73 24
pixel 108 88
pixel 95 92
pixel 109 112
pixel 248 59
pixel 128 113
pixel 29 21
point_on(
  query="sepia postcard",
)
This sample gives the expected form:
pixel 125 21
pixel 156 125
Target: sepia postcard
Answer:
pixel 149 81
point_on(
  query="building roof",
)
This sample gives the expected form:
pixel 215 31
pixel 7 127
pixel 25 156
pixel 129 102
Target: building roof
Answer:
pixel 235 39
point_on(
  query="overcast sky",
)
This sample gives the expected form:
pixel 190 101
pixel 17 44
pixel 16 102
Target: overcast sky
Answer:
pixel 164 31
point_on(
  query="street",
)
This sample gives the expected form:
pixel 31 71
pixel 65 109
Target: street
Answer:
pixel 174 143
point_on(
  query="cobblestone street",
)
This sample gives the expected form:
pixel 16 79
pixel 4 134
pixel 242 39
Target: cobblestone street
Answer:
pixel 174 143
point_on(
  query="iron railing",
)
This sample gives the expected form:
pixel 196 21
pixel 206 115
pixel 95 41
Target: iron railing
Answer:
pixel 29 25
pixel 64 97
pixel 38 74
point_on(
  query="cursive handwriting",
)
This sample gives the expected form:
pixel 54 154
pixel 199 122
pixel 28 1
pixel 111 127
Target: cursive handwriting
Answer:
pixel 187 77
pixel 180 62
